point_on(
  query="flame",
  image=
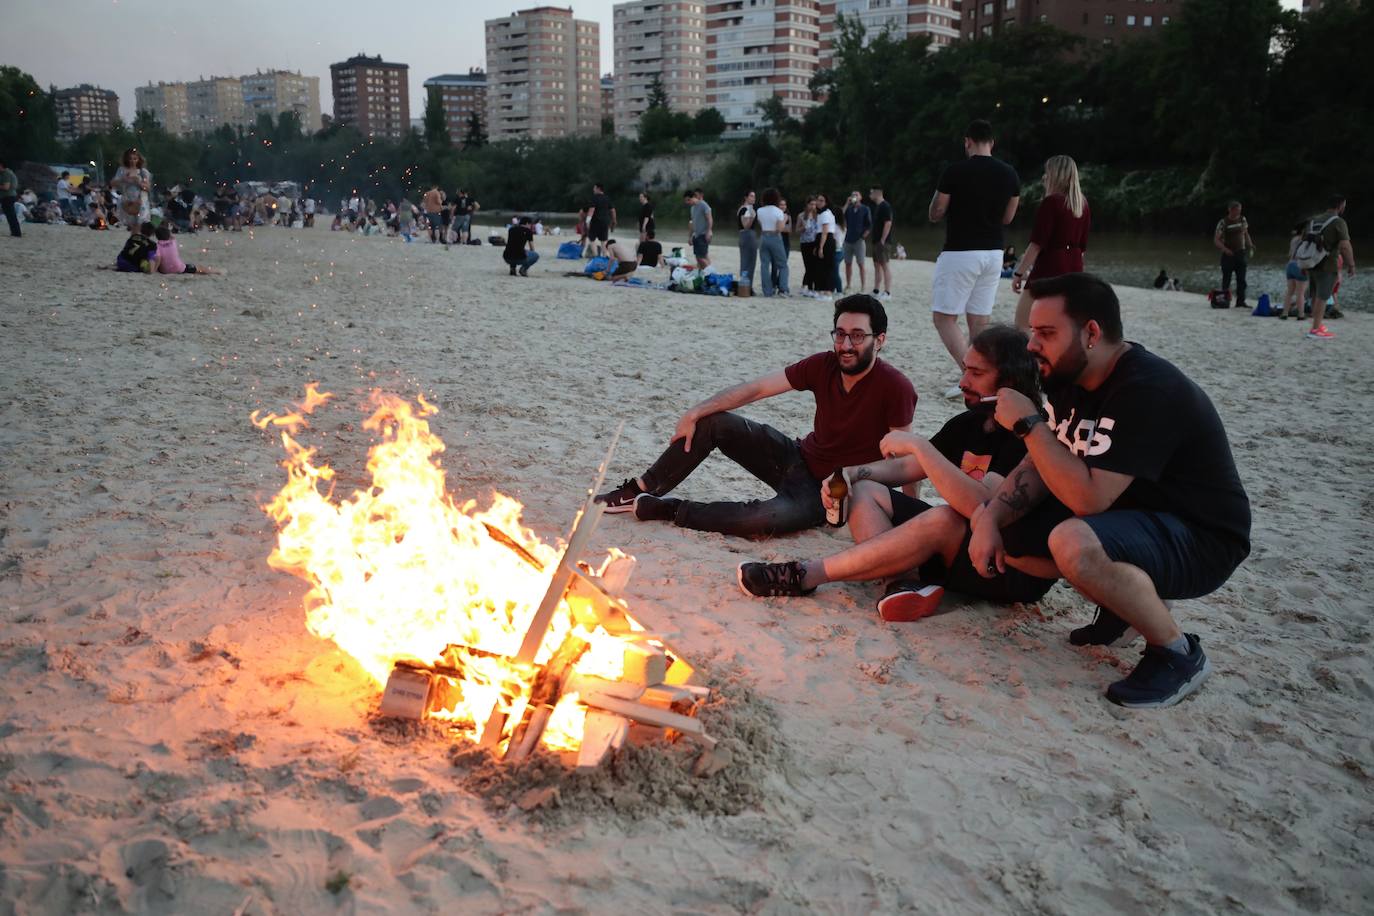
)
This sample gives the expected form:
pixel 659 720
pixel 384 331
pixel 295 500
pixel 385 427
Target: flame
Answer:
pixel 399 571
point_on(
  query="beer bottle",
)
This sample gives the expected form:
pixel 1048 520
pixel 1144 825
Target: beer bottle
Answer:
pixel 838 513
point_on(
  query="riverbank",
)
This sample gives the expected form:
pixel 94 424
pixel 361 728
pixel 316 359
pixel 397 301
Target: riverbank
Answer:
pixel 173 740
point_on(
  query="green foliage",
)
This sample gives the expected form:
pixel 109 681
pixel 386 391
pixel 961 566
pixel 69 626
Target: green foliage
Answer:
pixel 475 135
pixel 28 121
pixel 657 96
pixel 662 129
pixel 708 124
pixel 436 123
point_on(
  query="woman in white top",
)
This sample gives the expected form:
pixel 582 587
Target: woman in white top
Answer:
pixel 133 182
pixel 772 255
pixel 824 271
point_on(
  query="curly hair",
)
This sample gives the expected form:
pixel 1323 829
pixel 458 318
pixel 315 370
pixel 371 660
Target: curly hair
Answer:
pixel 1005 347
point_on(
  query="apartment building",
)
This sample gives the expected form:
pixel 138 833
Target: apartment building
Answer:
pixel 84 109
pixel 658 38
pixel 461 94
pixel 372 96
pixel 607 97
pixel 213 102
pixel 901 19
pixel 274 92
pixel 167 103
pixel 756 49
pixel 543 78
pixel 1104 21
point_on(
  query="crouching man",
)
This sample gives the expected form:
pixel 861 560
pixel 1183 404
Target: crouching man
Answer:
pixel 924 548
pixel 1134 452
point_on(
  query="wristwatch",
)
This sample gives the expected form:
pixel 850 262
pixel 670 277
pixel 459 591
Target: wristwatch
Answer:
pixel 1022 427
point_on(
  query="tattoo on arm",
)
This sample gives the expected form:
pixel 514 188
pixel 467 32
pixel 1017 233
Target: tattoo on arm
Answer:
pixel 1017 499
pixel 861 473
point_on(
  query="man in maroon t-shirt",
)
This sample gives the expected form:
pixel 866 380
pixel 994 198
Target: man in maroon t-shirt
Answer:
pixel 859 399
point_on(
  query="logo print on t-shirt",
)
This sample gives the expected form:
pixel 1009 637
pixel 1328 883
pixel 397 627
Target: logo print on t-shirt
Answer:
pixel 1088 437
pixel 975 466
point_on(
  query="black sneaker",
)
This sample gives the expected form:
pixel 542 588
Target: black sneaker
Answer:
pixel 771 580
pixel 1107 629
pixel 524 271
pixel 651 508
pixel 512 270
pixel 622 498
pixel 1162 677
pixel 1334 312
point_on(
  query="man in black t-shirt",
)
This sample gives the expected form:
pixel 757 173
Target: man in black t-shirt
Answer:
pixel 977 196
pixel 650 251
pixel 894 532
pixel 600 219
pixel 463 208
pixel 520 254
pixel 882 238
pixel 1135 452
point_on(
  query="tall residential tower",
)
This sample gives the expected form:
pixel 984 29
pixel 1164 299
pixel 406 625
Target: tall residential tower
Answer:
pixel 543 74
pixel 664 39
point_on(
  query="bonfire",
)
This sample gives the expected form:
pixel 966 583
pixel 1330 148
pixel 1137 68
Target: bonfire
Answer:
pixel 466 616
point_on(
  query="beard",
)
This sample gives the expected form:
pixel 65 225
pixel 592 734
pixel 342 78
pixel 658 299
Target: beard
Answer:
pixel 1063 372
pixel 863 359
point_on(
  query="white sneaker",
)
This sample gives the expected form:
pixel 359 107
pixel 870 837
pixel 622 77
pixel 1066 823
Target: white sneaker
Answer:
pixel 955 392
pixel 885 296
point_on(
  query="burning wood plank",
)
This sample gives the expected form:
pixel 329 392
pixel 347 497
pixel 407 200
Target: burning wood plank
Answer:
pixel 544 694
pixel 604 733
pixel 652 715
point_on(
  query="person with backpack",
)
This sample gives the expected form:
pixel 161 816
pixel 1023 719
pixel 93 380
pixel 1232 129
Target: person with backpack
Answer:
pixel 1324 248
pixel 1232 238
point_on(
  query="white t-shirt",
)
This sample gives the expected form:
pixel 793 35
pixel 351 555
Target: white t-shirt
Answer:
pixel 310 205
pixel 64 189
pixel 770 218
pixel 825 219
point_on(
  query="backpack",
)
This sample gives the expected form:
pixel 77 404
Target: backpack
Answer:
pixel 1311 251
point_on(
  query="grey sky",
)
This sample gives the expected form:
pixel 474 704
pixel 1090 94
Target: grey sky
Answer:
pixel 120 44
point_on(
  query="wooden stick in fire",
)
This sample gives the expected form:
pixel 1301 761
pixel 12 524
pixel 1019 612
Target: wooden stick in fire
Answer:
pixel 544 694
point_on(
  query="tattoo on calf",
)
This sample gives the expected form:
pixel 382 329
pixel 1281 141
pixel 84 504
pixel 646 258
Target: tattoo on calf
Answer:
pixel 1018 499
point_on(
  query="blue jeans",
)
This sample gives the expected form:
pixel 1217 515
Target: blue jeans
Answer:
pixel 762 451
pixel 773 260
pixel 531 258
pixel 748 256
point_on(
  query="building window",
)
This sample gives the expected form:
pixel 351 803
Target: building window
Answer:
pixel 1109 19
pixel 1010 4
pixel 1044 19
pixel 1149 21
pixel 1163 20
pixel 987 9
pixel 987 30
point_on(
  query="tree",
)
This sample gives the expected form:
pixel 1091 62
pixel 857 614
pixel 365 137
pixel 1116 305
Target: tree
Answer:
pixel 775 115
pixel 28 119
pixel 708 124
pixel 607 126
pixel 476 135
pixel 657 96
pixel 436 121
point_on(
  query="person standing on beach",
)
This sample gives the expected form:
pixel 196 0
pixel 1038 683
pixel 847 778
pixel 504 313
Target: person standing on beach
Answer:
pixel 882 233
pixel 600 219
pixel 1152 506
pixel 858 223
pixel 9 193
pixel 748 240
pixel 701 225
pixel 1060 235
pixel 826 268
pixel 772 254
pixel 1232 238
pixel 432 203
pixel 647 230
pixel 979 194
pixel 464 207
pixel 859 399
pixel 1335 236
pixel 134 182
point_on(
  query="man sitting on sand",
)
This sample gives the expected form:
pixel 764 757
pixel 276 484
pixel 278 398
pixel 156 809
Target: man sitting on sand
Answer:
pixel 966 462
pixel 1135 456
pixel 859 399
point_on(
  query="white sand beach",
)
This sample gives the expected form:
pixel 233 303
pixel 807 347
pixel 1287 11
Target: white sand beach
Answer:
pixel 173 740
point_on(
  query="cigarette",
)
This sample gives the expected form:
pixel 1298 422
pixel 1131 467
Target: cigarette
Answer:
pixel 990 399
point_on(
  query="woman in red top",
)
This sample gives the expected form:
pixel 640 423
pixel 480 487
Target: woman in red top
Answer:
pixel 1060 235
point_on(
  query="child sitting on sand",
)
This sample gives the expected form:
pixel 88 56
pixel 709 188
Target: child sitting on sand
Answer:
pixel 169 256
pixel 139 252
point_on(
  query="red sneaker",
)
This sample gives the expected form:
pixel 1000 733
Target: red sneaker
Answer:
pixel 907 600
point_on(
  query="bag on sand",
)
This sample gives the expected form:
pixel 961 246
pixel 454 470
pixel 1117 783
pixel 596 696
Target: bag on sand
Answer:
pixel 595 265
pixel 570 251
pixel 1219 299
pixel 1262 309
pixel 1311 251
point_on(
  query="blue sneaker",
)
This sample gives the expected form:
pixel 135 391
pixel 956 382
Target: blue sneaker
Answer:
pixel 1162 677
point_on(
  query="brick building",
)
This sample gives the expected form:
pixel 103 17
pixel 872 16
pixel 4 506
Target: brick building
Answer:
pixel 901 18
pixel 84 109
pixel 461 94
pixel 1103 21
pixel 372 96
pixel 543 78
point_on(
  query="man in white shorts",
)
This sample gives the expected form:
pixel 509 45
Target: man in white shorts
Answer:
pixel 979 195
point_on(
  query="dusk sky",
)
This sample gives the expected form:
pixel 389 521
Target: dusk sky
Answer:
pixel 120 44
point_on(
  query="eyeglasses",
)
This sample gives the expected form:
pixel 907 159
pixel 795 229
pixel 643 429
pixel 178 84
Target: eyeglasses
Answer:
pixel 857 338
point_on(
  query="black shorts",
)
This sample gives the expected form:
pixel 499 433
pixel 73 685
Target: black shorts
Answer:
pixel 599 232
pixel 960 576
pixel 1181 559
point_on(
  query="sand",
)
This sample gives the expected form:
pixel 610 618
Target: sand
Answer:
pixel 173 740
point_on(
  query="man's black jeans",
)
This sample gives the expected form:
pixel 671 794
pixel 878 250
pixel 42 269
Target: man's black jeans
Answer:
pixel 762 451
pixel 7 204
pixel 1234 263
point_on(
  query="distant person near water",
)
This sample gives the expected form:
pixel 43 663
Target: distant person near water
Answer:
pixel 882 240
pixel 9 193
pixel 979 195
pixel 858 225
pixel 701 225
pixel 1132 504
pixel 134 183
pixel 1330 227
pixel 1165 282
pixel 1060 235
pixel 1232 239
